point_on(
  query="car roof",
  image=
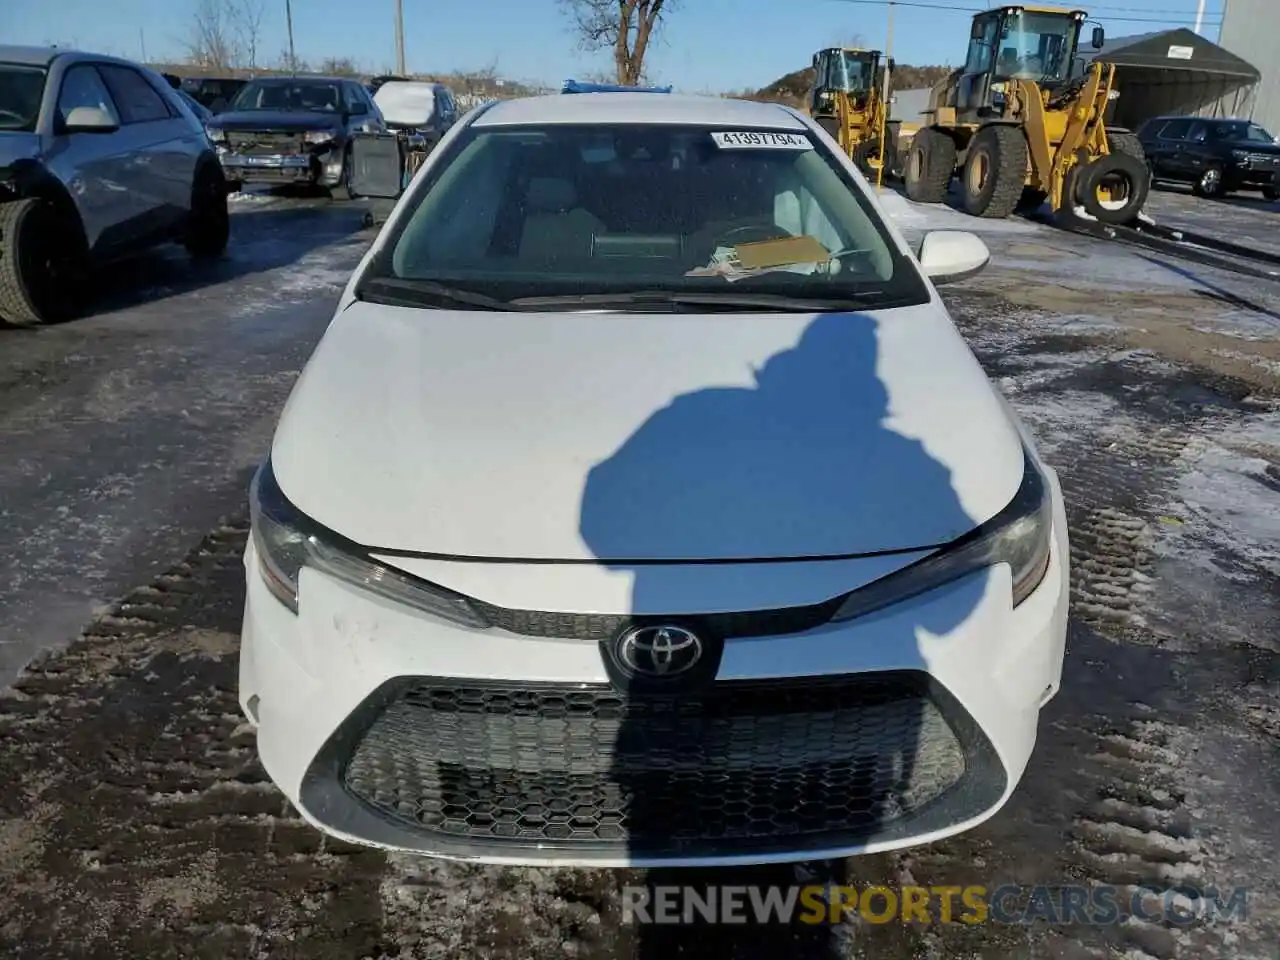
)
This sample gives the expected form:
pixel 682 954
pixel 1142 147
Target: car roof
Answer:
pixel 30 56
pixel 605 108
pixel 304 79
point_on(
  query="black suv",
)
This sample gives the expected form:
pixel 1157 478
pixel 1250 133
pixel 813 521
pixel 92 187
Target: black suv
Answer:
pixel 294 130
pixel 1215 156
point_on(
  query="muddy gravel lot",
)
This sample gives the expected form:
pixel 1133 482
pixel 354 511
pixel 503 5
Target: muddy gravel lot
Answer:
pixel 137 822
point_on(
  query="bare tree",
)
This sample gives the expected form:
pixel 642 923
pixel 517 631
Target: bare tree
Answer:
pixel 211 38
pixel 246 16
pixel 339 67
pixel 288 63
pixel 626 27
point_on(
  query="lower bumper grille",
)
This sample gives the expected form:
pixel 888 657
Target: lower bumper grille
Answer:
pixel 743 767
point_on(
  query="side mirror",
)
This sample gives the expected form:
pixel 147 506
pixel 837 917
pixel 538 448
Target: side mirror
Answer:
pixel 1099 38
pixel 90 120
pixel 950 255
pixel 976 31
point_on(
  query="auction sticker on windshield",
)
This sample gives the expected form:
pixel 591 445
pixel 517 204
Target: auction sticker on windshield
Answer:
pixel 748 139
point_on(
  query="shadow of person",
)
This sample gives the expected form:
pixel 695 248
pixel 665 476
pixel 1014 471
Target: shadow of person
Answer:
pixel 802 465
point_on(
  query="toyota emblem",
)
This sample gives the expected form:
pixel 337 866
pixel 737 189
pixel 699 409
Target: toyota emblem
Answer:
pixel 659 651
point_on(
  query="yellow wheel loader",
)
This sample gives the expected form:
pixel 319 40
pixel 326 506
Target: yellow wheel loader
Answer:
pixel 1024 120
pixel 847 100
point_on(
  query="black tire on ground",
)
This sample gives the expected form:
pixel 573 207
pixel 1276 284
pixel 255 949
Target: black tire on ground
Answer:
pixel 930 165
pixel 1124 177
pixel 1211 183
pixel 42 263
pixel 234 186
pixel 209 227
pixel 995 172
pixel 342 190
pixel 1271 193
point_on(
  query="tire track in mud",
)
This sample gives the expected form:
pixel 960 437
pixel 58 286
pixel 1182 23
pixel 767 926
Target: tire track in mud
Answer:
pixel 1142 823
pixel 142 824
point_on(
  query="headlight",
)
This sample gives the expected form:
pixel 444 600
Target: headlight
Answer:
pixel 286 541
pixel 318 136
pixel 1240 154
pixel 1019 535
pixel 216 134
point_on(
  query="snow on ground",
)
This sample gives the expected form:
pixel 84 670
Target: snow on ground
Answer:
pixel 1228 496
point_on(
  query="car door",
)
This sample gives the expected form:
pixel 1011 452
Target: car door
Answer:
pixel 1198 150
pixel 1170 144
pixel 93 166
pixel 162 167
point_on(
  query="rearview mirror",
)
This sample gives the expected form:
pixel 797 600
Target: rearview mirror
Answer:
pixel 976 31
pixel 951 255
pixel 90 120
pixel 1099 38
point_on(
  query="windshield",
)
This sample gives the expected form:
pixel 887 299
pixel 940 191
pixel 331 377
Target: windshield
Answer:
pixel 21 89
pixel 289 95
pixel 1242 130
pixel 516 211
pixel 845 71
pixel 1036 46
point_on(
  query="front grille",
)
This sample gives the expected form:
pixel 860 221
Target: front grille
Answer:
pixel 602 626
pixel 755 765
pixel 263 143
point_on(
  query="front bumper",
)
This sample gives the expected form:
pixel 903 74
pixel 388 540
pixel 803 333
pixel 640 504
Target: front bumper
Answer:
pixel 322 170
pixel 387 727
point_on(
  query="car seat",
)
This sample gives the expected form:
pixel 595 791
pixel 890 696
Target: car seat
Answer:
pixel 554 228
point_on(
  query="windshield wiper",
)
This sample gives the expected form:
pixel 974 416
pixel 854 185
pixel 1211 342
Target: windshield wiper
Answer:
pixel 395 292
pixel 711 299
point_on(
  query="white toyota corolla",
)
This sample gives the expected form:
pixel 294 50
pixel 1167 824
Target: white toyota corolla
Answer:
pixel 642 505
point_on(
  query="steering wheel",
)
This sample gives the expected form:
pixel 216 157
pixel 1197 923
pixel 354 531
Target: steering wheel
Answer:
pixel 16 116
pixel 762 230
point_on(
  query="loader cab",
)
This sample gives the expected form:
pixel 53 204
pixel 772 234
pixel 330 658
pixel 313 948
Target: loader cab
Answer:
pixel 843 72
pixel 1019 42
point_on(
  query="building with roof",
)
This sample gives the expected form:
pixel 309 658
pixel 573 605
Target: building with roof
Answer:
pixel 1178 72
pixel 1251 28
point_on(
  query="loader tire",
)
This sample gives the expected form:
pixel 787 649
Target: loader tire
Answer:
pixel 1121 141
pixel 1126 175
pixel 866 155
pixel 930 165
pixel 41 263
pixel 995 172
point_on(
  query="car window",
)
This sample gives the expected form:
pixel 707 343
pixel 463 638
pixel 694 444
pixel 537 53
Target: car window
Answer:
pixel 545 210
pixel 82 86
pixel 355 103
pixel 289 95
pixel 137 99
pixel 1243 130
pixel 1175 130
pixel 21 89
pixel 1199 133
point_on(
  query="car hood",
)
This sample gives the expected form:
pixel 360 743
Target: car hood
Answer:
pixel 17 146
pixel 581 436
pixel 1256 146
pixel 285 121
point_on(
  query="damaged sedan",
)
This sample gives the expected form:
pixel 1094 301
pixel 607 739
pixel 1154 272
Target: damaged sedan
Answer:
pixel 294 130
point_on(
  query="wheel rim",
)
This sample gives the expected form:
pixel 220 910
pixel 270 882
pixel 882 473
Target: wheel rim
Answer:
pixel 1210 181
pixel 917 164
pixel 979 172
pixel 1114 191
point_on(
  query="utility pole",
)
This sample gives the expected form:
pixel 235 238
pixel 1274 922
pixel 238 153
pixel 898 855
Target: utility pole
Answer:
pixel 400 68
pixel 885 106
pixel 288 17
pixel 142 42
pixel 1199 16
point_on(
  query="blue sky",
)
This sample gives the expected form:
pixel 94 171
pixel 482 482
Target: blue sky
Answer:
pixel 708 45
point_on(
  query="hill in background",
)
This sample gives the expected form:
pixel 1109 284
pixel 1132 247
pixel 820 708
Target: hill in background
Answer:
pixel 794 87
